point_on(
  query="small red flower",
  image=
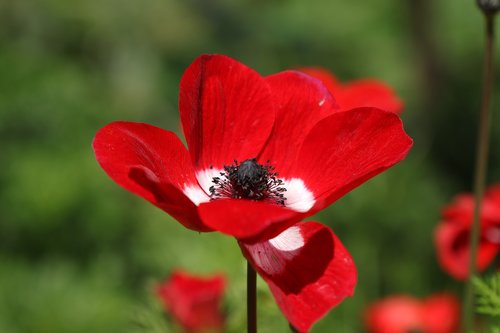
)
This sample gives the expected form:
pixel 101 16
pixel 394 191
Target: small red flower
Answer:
pixel 263 153
pixel 404 314
pixel 358 93
pixel 194 302
pixel 452 235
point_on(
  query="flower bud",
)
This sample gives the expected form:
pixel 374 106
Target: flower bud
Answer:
pixel 489 6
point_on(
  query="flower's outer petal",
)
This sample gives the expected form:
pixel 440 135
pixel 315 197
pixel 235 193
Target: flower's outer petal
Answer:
pixel 369 93
pixel 493 193
pixel 346 149
pixel 452 244
pixel 194 302
pixel 328 79
pixel 307 269
pixel 490 210
pixel 226 109
pixel 359 93
pixel 441 313
pixel 438 313
pixel 461 210
pixel 152 163
pixel 245 219
pixel 395 314
pixel 301 102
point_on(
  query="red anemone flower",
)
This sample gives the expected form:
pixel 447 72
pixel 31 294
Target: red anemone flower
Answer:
pixel 194 302
pixel 452 235
pixel 358 93
pixel 404 314
pixel 263 153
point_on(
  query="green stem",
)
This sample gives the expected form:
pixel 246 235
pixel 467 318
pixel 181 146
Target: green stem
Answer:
pixel 251 299
pixel 480 170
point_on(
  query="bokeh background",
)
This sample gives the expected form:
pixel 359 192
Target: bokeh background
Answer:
pixel 79 254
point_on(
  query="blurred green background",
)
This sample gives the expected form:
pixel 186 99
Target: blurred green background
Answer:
pixel 79 254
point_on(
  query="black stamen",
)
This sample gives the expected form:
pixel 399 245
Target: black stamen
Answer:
pixel 248 180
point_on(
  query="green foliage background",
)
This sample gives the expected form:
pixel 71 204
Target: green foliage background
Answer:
pixel 79 254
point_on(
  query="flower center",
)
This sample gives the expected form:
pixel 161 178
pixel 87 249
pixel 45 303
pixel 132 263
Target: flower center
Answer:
pixel 248 180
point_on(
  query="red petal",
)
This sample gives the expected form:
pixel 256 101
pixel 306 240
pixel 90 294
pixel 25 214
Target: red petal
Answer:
pixel 401 314
pixel 493 192
pixel 226 110
pixel 452 243
pixel 370 93
pixel 452 235
pixel 346 149
pixel 194 302
pixel 491 204
pixel 359 93
pixel 302 101
pixel 328 79
pixel 245 218
pixel 461 210
pixel 441 314
pixel 307 269
pixel 395 314
pixel 151 163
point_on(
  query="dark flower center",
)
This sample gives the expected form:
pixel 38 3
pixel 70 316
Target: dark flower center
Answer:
pixel 249 180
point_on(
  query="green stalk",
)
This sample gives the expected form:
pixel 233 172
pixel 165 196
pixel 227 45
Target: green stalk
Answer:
pixel 481 164
pixel 251 299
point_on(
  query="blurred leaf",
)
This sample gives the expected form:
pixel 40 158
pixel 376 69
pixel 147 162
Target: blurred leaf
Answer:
pixel 487 294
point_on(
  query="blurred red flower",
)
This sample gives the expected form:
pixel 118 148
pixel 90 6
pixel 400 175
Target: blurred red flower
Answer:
pixel 404 314
pixel 452 234
pixel 264 152
pixel 358 93
pixel 194 302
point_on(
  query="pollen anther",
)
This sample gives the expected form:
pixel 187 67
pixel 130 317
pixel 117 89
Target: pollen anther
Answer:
pixel 249 180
